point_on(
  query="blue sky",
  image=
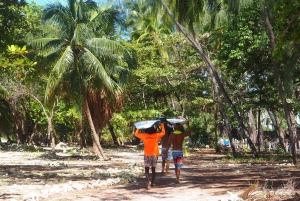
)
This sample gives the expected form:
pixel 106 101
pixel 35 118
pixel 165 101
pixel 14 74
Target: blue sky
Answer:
pixel 64 2
pixel 44 2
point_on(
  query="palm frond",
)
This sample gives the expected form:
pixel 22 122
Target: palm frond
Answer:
pixel 105 47
pixel 123 75
pixel 83 10
pixel 59 15
pixel 41 43
pixel 94 66
pixel 81 33
pixel 47 46
pixel 107 21
pixel 62 66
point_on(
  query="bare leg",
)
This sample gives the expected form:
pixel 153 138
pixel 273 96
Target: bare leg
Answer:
pixel 163 167
pixel 167 167
pixel 153 176
pixel 147 177
pixel 177 174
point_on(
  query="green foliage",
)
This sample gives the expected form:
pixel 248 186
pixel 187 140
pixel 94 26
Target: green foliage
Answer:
pixel 169 78
pixel 264 158
pixel 17 60
pixel 285 19
pixel 279 150
pixel 199 128
pixel 17 19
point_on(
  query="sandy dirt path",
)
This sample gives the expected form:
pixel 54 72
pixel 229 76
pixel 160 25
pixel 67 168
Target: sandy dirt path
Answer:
pixel 29 176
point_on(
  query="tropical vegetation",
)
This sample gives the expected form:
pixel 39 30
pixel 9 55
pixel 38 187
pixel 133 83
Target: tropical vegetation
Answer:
pixel 85 72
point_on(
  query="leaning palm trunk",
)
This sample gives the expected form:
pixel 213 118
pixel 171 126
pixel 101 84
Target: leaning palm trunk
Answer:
pixel 99 151
pixel 289 115
pixel 223 113
pixel 210 65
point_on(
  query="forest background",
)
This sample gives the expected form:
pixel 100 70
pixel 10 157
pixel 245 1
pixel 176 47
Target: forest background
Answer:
pixel 86 72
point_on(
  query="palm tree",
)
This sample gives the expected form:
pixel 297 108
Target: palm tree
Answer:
pixel 147 28
pixel 90 69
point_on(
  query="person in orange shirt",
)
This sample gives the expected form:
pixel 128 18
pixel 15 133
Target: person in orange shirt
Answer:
pixel 150 137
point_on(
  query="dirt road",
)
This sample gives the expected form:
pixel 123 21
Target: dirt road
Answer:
pixel 204 177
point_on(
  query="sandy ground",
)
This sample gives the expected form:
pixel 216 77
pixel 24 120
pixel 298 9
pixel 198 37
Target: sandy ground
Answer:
pixel 204 177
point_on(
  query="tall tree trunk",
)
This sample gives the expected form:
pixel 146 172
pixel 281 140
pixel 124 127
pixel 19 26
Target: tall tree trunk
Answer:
pixel 289 114
pixel 276 122
pixel 280 133
pixel 210 65
pixel 113 135
pixel 216 128
pixel 31 138
pixel 185 95
pixel 144 99
pixel 223 113
pixel 79 135
pixel 252 129
pixel 51 134
pixel 260 131
pixel 18 122
pixel 96 141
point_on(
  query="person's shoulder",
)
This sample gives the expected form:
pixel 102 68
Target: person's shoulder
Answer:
pixel 174 135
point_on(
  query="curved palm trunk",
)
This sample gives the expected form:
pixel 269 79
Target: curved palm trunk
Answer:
pixel 96 141
pixel 289 114
pixel 210 65
pixel 223 113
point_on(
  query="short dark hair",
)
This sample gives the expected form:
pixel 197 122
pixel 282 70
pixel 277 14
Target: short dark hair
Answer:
pixel 150 130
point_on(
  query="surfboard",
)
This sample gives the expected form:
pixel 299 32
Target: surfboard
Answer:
pixel 145 124
pixel 175 121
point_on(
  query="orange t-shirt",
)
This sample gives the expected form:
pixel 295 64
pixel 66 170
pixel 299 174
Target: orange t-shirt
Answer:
pixel 151 141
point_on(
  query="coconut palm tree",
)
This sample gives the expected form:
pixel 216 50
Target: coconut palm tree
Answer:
pixel 90 69
pixel 146 27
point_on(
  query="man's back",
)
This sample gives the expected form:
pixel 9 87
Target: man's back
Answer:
pixel 150 141
pixel 177 136
pixel 177 140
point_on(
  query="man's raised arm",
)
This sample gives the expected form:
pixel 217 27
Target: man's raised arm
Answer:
pixel 189 132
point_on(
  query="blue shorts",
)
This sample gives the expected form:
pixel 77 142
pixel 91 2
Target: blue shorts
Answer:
pixel 165 156
pixel 177 157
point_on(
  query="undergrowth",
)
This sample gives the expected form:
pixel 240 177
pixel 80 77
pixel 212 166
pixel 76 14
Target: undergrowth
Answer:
pixel 266 192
